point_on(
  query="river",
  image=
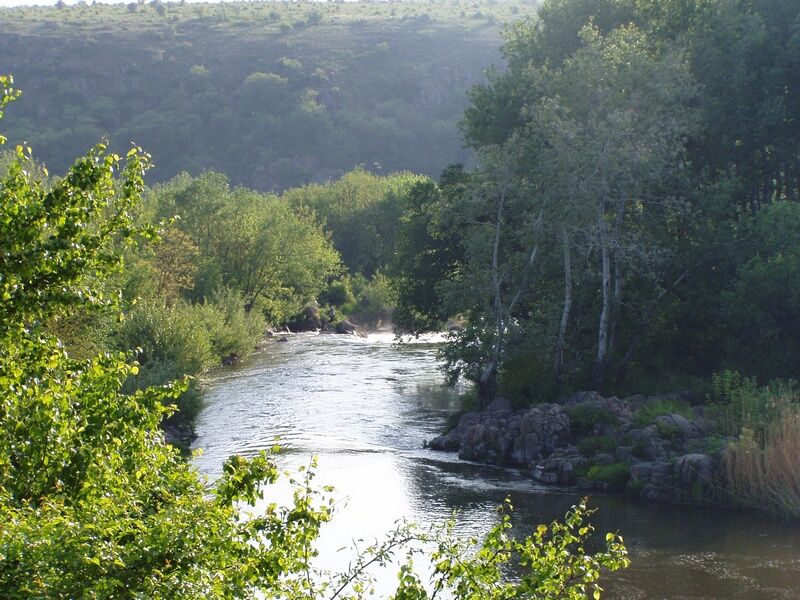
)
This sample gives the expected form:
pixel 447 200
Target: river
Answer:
pixel 364 407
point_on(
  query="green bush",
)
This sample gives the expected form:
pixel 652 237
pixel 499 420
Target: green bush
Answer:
pixel 647 414
pixel 338 294
pixel 635 487
pixel 231 329
pixel 615 476
pixel 741 402
pixel 168 335
pixel 583 417
pixel 375 300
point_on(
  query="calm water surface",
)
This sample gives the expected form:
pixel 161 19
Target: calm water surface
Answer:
pixel 365 406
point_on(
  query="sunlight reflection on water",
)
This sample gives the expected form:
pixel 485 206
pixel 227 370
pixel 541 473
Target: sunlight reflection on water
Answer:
pixel 364 407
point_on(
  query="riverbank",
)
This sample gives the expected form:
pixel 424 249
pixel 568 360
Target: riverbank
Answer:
pixel 659 448
pixel 363 406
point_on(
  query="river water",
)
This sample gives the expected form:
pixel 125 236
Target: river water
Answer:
pixel 364 407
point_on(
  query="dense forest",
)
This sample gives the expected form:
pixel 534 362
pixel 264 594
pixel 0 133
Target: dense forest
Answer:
pixel 272 94
pixel 623 218
pixel 633 214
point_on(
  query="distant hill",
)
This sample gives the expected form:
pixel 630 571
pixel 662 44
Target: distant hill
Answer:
pixel 273 94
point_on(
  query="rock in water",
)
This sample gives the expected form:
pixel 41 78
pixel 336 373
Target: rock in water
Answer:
pixel 542 429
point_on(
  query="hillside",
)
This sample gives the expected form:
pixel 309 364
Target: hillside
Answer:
pixel 273 94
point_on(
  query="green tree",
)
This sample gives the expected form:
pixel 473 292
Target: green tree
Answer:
pixel 93 502
pixel 595 144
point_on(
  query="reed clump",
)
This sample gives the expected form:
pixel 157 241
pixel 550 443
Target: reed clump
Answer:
pixel 762 465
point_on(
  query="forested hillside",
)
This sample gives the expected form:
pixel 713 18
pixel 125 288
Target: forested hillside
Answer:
pixel 272 94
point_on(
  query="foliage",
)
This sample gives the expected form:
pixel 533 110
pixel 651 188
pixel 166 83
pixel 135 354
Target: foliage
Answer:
pixel 615 475
pixel 374 300
pixel 429 249
pixel 646 415
pixel 761 462
pixel 310 91
pixel 635 487
pixel 277 258
pixel 585 416
pixel 95 504
pixel 176 340
pixel 338 293
pixel 660 199
pixel 741 403
pixel 362 212
pixel 553 563
pixel 53 240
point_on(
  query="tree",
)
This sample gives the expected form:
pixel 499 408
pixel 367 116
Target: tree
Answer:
pixel 276 257
pixel 92 501
pixel 95 504
pixel 428 253
pixel 600 133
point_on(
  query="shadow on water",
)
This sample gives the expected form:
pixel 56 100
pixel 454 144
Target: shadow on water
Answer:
pixel 364 408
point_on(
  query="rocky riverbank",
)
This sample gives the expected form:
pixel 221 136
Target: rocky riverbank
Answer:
pixel 659 448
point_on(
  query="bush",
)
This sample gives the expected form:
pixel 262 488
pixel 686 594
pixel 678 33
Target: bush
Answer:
pixel 338 294
pixel 635 487
pixel 583 417
pixel 375 300
pixel 740 402
pixel 615 476
pixel 647 414
pixel 231 329
pixel 761 465
pixel 168 335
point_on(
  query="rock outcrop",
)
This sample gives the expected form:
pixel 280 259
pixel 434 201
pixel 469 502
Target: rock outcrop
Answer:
pixel 632 444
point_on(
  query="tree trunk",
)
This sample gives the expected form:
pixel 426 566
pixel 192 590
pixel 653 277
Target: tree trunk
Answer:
pixel 487 384
pixel 558 367
pixel 616 306
pixel 601 361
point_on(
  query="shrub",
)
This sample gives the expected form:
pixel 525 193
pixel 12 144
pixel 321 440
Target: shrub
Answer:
pixel 583 417
pixel 174 335
pixel 338 294
pixel 376 299
pixel 231 329
pixel 615 476
pixel 647 414
pixel 741 402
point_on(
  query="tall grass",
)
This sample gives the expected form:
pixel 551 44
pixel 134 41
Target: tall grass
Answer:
pixel 763 469
pixel 762 465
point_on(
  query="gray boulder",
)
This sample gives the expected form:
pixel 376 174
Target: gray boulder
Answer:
pixel 678 426
pixel 453 439
pixel 345 327
pixel 694 476
pixel 487 442
pixel 542 429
